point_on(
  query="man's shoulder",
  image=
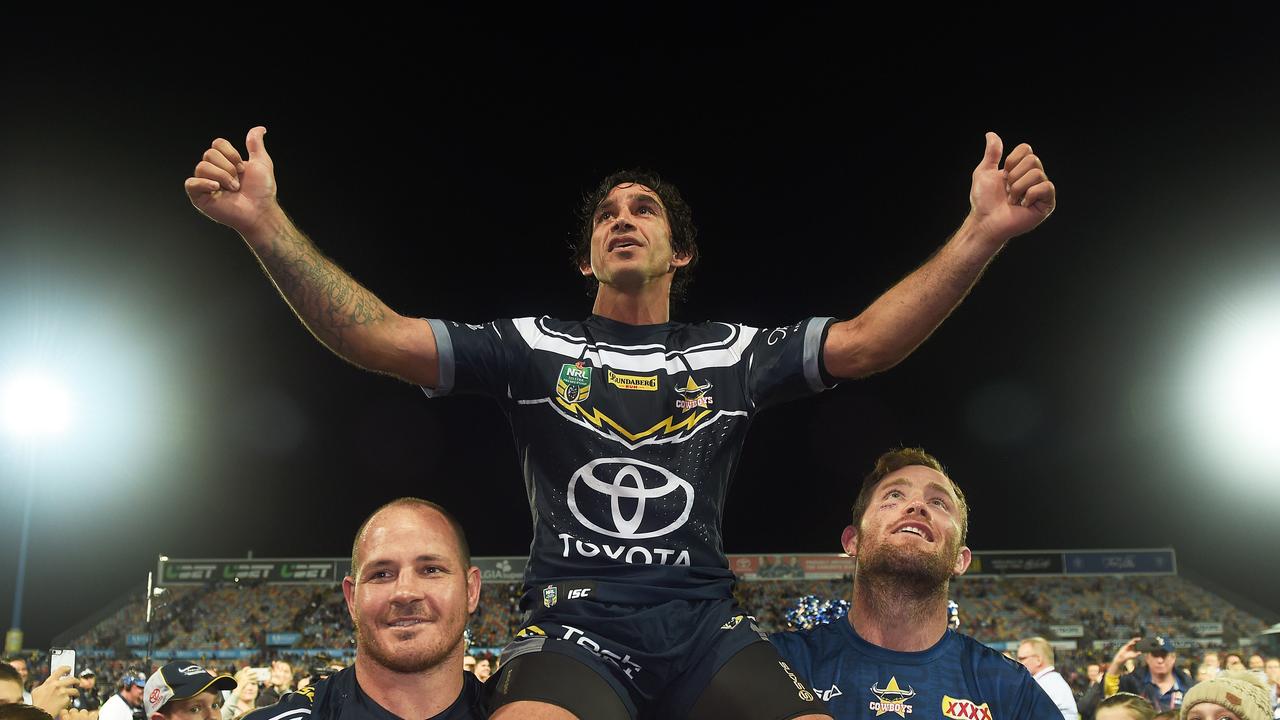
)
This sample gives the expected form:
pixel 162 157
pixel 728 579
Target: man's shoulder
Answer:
pixel 813 641
pixel 470 704
pixel 990 659
pixel 297 703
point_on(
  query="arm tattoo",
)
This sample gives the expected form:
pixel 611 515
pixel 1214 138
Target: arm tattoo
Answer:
pixel 329 302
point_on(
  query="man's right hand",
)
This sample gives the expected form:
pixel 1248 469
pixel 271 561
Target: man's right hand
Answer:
pixel 230 190
pixel 54 695
pixel 1123 655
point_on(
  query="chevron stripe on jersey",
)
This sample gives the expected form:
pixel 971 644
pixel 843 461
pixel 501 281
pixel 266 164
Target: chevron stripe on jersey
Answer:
pixel 628 436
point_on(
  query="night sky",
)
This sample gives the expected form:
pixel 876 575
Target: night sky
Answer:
pixel 441 162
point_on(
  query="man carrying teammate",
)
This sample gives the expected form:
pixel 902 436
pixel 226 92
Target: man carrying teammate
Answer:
pixel 894 654
pixel 410 592
pixel 628 427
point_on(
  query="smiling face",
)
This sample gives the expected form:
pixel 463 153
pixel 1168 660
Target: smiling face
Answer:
pixel 631 240
pixel 911 528
pixel 411 592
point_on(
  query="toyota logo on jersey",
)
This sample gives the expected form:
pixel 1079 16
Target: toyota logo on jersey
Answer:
pixel 629 499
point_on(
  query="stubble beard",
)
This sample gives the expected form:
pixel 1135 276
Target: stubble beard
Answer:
pixel 911 571
pixel 412 656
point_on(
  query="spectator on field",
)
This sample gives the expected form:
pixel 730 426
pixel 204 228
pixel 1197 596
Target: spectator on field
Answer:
pixel 280 683
pixel 88 697
pixel 1233 695
pixel 1159 681
pixel 1125 706
pixel 1036 655
pixel 122 705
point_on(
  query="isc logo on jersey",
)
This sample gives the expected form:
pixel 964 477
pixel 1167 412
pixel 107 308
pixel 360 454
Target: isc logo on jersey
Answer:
pixel 965 709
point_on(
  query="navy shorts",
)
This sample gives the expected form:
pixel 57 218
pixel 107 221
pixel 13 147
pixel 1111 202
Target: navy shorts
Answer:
pixel 657 658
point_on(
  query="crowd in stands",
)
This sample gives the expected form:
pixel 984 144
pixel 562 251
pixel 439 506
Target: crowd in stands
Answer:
pixel 994 610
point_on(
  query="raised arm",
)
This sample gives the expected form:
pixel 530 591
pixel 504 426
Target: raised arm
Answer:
pixel 347 318
pixel 1004 203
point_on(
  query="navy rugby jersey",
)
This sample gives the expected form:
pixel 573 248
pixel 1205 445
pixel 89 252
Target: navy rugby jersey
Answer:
pixel 628 436
pixel 340 698
pixel 957 678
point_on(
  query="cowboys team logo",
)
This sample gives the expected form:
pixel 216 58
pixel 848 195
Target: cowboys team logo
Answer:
pixel 964 709
pixel 549 596
pixel 693 395
pixel 574 383
pixel 891 699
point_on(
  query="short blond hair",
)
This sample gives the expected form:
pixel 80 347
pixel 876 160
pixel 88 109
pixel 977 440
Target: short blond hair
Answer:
pixel 1041 648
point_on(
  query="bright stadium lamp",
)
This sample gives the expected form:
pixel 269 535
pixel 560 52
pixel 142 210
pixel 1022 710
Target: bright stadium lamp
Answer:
pixel 34 405
pixel 1235 383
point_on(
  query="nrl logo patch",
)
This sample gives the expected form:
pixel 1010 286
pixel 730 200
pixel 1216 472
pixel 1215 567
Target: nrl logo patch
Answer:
pixel 964 709
pixel 891 699
pixel 648 383
pixel 549 595
pixel 693 395
pixel 574 383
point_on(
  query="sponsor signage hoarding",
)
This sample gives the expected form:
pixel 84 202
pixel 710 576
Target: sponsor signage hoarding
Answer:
pixel 1121 562
pixel 1010 563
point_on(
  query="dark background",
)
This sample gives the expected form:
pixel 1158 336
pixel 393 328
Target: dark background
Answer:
pixel 440 160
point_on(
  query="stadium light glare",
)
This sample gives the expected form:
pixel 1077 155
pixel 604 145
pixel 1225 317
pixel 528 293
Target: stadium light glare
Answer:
pixel 1235 386
pixel 34 405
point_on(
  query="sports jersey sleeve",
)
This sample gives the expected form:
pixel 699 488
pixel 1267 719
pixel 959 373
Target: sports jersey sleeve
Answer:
pixel 785 363
pixel 791 646
pixel 473 359
pixel 1016 690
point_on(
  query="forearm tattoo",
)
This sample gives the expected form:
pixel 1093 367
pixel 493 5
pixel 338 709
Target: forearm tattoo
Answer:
pixel 328 301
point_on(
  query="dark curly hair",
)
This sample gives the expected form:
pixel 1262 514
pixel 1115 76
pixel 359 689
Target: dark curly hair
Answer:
pixel 679 216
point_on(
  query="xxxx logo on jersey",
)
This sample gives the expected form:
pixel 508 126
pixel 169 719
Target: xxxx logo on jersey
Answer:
pixel 965 709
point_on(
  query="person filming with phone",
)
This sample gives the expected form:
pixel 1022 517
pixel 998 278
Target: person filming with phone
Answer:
pixel 1160 682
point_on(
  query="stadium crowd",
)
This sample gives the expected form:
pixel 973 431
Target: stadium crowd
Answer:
pixel 997 611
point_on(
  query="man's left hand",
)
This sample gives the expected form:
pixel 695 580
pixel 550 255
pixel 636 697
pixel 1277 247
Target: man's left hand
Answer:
pixel 1007 202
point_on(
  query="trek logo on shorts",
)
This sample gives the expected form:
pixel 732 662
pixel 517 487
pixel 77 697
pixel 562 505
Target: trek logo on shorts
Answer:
pixel 648 383
pixel 891 699
pixel 574 383
pixel 572 591
pixel 965 709
pixel 623 662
